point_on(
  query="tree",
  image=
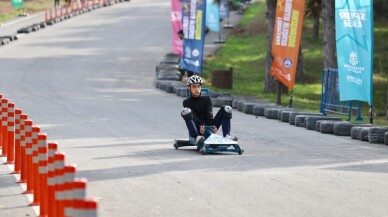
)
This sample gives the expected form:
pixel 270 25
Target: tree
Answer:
pixel 313 9
pixel 270 85
pixel 329 60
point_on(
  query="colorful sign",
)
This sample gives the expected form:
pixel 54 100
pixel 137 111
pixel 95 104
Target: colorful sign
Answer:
pixel 354 37
pixel 212 16
pixel 286 40
pixel 17 3
pixel 193 20
pixel 176 22
pixel 224 9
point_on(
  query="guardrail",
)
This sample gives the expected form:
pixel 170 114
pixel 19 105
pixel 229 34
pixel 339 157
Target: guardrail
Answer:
pixel 330 100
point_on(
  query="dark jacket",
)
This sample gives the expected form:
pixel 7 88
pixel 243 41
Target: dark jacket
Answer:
pixel 202 109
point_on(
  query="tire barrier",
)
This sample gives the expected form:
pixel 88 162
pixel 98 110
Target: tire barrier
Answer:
pixel 343 128
pixel 51 182
pixel 376 134
pixel 57 14
pixel 355 132
pixel 293 114
pixel 309 120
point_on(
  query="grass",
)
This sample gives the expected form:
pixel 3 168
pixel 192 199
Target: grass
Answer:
pixel 7 12
pixel 245 51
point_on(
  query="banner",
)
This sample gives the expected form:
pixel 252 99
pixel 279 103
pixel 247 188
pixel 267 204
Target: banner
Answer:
pixel 176 22
pixel 354 37
pixel 286 40
pixel 224 9
pixel 212 16
pixel 193 20
pixel 17 3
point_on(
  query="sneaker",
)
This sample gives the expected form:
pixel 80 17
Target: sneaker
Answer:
pixel 229 137
pixel 200 139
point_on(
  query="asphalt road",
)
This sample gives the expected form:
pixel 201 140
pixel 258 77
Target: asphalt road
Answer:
pixel 89 83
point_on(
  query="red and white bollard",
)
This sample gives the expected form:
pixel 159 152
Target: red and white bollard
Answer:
pixel 52 212
pixel 70 171
pixel 35 166
pixel 43 170
pixel 18 134
pixel 4 127
pixel 59 181
pixel 11 134
pixel 26 149
pixel 79 195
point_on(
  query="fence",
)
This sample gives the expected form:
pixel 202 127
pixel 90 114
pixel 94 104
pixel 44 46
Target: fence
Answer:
pixel 330 100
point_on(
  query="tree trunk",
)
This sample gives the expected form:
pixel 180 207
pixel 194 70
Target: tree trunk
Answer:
pixel 300 76
pixel 329 57
pixel 316 17
pixel 270 83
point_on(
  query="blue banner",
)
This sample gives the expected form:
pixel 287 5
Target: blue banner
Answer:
pixel 224 9
pixel 212 16
pixel 193 20
pixel 354 37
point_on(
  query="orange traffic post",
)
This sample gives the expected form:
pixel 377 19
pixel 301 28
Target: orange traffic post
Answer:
pixel 42 149
pixel 11 134
pixel 35 166
pixel 79 197
pixel 53 147
pixel 59 181
pixel 4 130
pixel 18 154
pixel 1 117
pixel 90 207
pixel 68 196
pixel 26 149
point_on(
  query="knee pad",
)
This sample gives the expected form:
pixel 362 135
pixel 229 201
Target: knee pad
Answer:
pixel 187 114
pixel 227 112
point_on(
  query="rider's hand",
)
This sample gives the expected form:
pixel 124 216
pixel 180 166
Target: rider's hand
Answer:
pixel 202 129
pixel 214 129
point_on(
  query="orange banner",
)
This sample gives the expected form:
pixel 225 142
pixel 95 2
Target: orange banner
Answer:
pixel 286 40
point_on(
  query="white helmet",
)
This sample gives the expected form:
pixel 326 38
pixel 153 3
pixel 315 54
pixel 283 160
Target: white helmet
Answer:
pixel 194 79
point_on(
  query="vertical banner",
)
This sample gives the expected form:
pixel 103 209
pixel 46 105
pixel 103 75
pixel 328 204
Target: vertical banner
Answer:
pixel 286 40
pixel 354 38
pixel 193 19
pixel 224 9
pixel 176 22
pixel 212 16
pixel 17 3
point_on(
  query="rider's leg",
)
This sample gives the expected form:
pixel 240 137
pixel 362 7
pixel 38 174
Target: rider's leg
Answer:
pixel 222 118
pixel 191 126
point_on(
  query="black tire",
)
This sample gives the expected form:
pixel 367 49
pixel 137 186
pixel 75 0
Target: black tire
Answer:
pixel 283 109
pixel 311 121
pixel 326 127
pixel 376 134
pixel 258 109
pixel 271 112
pixel 364 134
pixel 295 113
pixel 342 128
pixel 386 138
pixel 248 107
pixel 300 120
pixel 285 116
